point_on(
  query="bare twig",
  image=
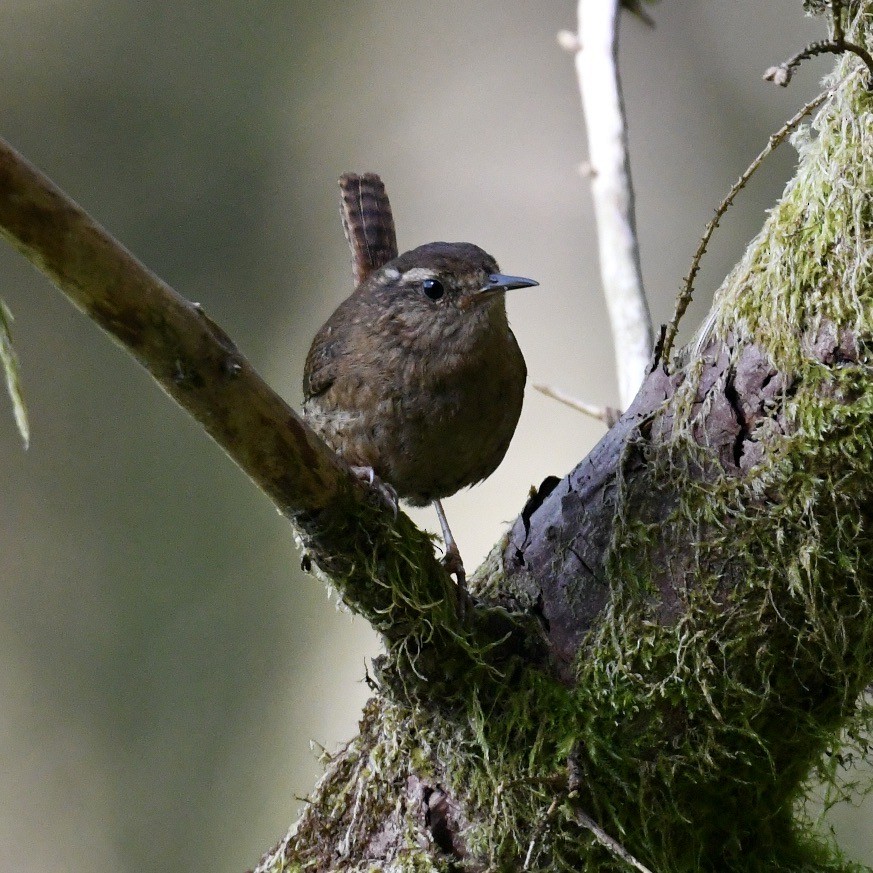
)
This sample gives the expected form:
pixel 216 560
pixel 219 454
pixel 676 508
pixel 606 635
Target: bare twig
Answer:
pixel 635 7
pixel 687 291
pixel 600 89
pixel 837 30
pixel 607 414
pixel 568 790
pixel 783 73
pixel 11 369
pixel 542 824
pixel 616 849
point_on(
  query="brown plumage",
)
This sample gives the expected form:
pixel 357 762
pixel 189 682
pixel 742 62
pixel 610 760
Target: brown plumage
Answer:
pixel 425 392
pixel 416 377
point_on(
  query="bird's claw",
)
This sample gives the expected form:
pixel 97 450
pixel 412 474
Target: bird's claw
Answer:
pixel 382 488
pixel 454 566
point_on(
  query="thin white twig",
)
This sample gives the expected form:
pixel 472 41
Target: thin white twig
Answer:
pixel 606 414
pixel 596 48
pixel 612 846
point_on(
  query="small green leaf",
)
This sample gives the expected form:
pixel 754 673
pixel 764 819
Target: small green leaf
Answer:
pixel 9 360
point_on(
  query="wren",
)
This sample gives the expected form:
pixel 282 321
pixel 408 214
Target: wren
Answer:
pixel 417 378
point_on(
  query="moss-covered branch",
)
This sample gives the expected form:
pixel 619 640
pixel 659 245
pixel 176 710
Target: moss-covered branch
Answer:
pixel 705 580
pixel 384 568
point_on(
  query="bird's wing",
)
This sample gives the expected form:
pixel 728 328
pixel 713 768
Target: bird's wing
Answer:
pixel 319 372
pixel 333 345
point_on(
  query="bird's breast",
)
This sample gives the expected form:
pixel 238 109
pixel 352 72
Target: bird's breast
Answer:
pixel 431 414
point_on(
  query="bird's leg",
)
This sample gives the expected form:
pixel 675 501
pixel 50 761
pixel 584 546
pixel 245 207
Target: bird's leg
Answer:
pixel 452 558
pixel 382 488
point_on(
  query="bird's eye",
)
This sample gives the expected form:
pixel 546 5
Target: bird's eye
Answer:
pixel 433 288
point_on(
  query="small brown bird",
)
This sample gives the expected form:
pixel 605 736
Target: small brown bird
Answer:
pixel 417 379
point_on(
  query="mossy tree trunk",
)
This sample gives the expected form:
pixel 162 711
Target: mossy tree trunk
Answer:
pixel 680 631
pixel 668 642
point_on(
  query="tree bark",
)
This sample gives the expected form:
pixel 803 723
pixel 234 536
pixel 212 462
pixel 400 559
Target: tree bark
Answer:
pixel 701 583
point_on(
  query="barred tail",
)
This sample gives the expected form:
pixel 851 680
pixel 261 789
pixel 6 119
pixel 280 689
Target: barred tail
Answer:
pixel 367 222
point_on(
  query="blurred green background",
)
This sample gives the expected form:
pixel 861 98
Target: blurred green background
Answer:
pixel 163 662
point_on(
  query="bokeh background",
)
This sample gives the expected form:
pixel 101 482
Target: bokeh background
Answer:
pixel 163 663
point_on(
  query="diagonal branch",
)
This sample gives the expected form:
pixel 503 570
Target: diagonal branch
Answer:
pixel 189 356
pixel 383 568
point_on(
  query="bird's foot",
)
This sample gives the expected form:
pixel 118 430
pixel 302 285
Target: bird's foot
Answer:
pixel 455 567
pixel 382 488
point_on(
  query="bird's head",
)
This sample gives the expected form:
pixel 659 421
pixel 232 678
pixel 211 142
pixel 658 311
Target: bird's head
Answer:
pixel 443 284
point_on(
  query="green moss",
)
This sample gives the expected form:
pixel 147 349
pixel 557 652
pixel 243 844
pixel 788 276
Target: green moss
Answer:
pixel 731 660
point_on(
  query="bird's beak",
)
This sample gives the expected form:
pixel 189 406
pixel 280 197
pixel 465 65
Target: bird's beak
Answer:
pixel 499 282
